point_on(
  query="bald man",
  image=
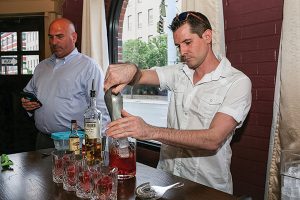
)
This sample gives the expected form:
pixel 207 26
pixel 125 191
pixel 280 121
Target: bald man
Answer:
pixel 62 83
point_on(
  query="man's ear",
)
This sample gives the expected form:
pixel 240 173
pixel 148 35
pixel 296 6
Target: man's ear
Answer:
pixel 74 36
pixel 207 35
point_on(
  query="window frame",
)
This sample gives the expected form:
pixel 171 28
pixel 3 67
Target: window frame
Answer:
pixel 25 23
pixel 112 35
pixel 129 20
pixel 140 20
pixel 150 16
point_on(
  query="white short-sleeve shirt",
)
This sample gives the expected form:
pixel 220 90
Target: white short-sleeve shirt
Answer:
pixel 192 107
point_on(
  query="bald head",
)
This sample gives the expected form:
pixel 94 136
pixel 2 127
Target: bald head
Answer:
pixel 62 37
pixel 63 23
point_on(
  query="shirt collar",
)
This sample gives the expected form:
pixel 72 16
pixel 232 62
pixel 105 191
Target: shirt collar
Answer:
pixel 223 70
pixel 64 59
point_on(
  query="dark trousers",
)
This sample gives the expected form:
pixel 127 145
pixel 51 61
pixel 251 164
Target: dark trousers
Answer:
pixel 43 141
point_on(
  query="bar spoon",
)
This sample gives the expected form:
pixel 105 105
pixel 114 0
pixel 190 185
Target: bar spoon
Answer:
pixel 151 192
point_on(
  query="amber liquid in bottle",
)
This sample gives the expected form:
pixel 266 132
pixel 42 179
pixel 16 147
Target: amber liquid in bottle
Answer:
pixel 93 151
pixel 92 128
pixel 74 140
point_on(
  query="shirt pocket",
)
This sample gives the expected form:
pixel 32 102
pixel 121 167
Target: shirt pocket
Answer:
pixel 178 97
pixel 207 105
pixel 65 89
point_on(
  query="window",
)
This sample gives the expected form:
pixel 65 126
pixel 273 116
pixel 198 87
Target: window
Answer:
pixel 147 48
pixel 150 16
pixel 21 43
pixel 129 23
pixel 139 20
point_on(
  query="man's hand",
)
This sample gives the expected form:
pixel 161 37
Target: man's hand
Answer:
pixel 29 105
pixel 129 126
pixel 119 75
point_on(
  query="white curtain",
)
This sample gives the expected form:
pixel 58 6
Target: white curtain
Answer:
pixel 285 132
pixel 213 10
pixel 94 33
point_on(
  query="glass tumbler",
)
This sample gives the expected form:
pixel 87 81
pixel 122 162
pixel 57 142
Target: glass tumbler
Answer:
pixel 69 177
pixel 83 179
pixel 57 165
pixel 122 154
pixel 104 182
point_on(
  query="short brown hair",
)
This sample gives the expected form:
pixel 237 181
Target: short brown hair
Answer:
pixel 198 22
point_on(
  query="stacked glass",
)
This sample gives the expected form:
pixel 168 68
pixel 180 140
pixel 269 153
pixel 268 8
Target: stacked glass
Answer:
pixel 96 182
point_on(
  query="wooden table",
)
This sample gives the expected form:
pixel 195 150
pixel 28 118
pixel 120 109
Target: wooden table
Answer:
pixel 32 179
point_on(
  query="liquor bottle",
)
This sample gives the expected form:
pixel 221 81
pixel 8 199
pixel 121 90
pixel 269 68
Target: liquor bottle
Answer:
pixel 74 140
pixel 92 128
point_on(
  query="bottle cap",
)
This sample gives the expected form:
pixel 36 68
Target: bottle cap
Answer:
pixel 93 92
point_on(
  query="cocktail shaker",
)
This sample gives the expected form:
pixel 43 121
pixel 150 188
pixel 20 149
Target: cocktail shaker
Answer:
pixel 114 104
pixel 122 152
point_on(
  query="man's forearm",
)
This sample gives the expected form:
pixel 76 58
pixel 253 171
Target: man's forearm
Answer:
pixel 210 139
pixel 191 139
pixel 149 77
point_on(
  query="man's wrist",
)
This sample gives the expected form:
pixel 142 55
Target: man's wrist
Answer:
pixel 137 76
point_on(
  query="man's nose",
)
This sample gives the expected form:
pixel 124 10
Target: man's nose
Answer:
pixel 182 50
pixel 53 40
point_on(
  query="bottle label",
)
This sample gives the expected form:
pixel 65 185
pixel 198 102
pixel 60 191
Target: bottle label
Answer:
pixel 74 144
pixel 92 129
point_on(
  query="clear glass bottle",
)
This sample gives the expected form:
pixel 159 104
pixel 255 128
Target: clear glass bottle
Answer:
pixel 92 128
pixel 74 140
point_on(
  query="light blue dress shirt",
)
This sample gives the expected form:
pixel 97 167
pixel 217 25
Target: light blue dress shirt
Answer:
pixel 63 87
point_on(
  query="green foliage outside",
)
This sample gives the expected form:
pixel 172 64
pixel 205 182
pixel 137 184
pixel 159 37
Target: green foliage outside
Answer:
pixel 146 55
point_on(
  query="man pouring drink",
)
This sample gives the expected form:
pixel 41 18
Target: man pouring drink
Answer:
pixel 209 100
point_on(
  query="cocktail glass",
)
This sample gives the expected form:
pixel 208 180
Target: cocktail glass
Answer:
pixel 57 165
pixel 84 181
pixel 69 178
pixel 104 182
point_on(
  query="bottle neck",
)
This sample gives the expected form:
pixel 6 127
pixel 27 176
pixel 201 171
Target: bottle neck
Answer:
pixel 93 102
pixel 74 128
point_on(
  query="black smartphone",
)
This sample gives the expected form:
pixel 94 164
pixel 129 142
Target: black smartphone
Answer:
pixel 30 97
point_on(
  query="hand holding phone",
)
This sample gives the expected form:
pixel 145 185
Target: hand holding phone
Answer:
pixel 31 97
